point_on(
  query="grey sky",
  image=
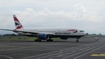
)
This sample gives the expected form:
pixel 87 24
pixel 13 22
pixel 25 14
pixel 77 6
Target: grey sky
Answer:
pixel 88 15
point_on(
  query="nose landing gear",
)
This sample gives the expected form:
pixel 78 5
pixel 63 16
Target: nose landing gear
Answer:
pixel 77 40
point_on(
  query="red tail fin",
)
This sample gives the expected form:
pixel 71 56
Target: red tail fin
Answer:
pixel 17 22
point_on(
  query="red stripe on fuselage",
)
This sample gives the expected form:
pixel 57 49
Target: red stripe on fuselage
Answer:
pixel 72 30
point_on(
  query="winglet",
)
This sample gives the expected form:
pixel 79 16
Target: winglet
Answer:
pixel 17 22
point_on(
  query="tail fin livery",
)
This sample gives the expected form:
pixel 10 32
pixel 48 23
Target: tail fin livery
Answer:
pixel 17 22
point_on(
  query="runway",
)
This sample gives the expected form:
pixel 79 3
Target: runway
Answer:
pixel 61 49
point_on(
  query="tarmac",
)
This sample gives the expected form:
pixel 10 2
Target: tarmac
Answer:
pixel 87 48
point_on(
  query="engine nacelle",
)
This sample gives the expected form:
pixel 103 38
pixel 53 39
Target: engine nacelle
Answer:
pixel 42 36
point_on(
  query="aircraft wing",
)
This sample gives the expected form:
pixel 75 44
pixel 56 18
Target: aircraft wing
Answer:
pixel 7 29
pixel 27 31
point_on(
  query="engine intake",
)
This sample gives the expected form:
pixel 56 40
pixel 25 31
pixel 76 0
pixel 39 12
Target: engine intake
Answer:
pixel 42 36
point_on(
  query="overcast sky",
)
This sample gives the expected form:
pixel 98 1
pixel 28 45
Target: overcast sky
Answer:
pixel 88 15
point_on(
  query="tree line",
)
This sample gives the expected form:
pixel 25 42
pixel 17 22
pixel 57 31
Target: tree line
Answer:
pixel 13 34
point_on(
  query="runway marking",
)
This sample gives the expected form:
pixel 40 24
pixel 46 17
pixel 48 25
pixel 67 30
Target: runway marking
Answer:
pixel 76 53
pixel 6 56
pixel 88 52
pixel 53 53
pixel 17 48
pixel 57 52
pixel 100 55
pixel 60 53
pixel 82 52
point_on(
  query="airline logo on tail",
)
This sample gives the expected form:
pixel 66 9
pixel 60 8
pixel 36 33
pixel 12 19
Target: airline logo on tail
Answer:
pixel 17 23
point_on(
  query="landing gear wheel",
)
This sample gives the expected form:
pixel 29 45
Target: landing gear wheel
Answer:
pixel 77 40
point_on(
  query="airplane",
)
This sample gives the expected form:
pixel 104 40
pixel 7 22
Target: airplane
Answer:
pixel 46 34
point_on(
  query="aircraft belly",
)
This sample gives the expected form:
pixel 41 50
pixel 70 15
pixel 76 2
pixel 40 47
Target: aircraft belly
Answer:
pixel 67 35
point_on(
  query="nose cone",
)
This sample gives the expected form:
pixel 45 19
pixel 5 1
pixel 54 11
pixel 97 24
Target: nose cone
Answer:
pixel 83 33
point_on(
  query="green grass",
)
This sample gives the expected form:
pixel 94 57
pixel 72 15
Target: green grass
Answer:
pixel 21 38
pixel 17 38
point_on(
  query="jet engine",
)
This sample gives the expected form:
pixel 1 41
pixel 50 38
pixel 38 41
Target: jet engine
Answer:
pixel 43 36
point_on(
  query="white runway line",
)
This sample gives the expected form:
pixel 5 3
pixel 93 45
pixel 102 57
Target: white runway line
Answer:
pixel 67 51
pixel 88 52
pixel 6 56
pixel 94 48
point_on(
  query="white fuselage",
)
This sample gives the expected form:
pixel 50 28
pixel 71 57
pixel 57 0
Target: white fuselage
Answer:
pixel 54 32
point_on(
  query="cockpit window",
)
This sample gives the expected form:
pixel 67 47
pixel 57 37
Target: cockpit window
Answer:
pixel 81 31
